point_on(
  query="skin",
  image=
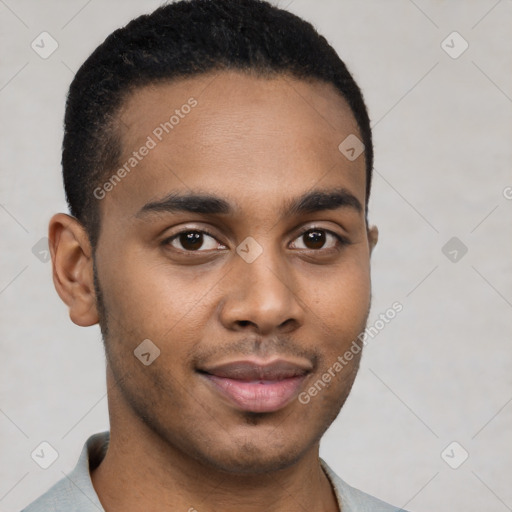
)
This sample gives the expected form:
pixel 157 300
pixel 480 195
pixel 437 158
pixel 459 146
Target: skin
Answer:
pixel 257 143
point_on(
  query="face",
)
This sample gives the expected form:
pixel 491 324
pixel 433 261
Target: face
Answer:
pixel 249 294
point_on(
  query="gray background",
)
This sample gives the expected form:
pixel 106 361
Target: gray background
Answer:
pixel 438 373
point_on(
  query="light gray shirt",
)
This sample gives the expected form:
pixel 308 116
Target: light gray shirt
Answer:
pixel 75 492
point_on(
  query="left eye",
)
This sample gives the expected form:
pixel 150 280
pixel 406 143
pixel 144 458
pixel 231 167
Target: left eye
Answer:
pixel 315 238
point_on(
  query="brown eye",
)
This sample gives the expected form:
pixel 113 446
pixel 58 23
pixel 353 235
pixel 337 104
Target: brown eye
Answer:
pixel 192 241
pixel 315 239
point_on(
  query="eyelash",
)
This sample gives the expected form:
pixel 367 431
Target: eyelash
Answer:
pixel 341 240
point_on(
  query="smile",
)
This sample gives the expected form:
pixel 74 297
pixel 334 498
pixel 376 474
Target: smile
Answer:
pixel 256 387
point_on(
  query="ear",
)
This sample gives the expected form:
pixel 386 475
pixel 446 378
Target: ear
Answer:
pixel 72 266
pixel 373 237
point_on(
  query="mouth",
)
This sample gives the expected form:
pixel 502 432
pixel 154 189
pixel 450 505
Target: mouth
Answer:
pixel 256 386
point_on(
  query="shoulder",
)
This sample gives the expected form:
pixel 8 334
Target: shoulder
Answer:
pixel 56 499
pixel 75 492
pixel 354 500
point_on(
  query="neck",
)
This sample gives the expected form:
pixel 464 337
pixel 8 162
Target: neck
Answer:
pixel 140 471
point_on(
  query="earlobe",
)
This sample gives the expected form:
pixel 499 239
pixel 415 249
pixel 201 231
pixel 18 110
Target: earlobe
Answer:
pixel 373 237
pixel 72 266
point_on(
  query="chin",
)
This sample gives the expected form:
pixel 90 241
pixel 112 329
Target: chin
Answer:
pixel 249 451
pixel 252 459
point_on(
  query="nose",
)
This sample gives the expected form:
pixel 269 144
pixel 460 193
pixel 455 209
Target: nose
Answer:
pixel 262 296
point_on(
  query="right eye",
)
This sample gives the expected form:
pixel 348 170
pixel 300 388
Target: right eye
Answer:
pixel 191 240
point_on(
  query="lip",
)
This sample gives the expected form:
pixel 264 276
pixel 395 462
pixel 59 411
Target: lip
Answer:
pixel 255 385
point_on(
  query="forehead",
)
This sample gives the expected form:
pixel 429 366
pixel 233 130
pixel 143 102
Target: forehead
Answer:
pixel 274 103
pixel 235 133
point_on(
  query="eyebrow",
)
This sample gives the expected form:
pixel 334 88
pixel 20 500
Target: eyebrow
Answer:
pixel 209 204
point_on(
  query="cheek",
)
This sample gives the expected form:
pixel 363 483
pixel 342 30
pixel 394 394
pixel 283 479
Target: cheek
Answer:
pixel 152 295
pixel 340 296
pixel 340 303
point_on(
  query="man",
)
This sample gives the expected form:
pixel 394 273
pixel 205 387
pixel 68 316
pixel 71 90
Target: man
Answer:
pixel 217 162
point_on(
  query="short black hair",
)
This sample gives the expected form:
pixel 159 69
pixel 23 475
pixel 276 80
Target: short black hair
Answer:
pixel 180 40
